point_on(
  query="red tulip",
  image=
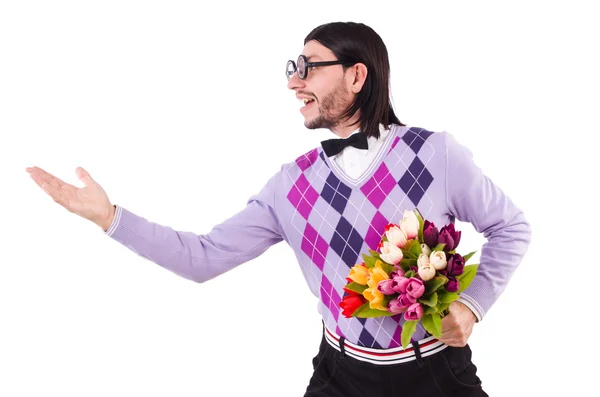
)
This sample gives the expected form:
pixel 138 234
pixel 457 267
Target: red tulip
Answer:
pixel 350 303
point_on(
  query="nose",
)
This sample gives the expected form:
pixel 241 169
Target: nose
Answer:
pixel 295 82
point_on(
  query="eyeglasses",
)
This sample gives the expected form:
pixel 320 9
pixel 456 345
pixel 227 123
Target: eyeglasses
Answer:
pixel 303 66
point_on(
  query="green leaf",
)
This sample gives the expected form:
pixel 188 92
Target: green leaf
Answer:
pixel 431 310
pixel 375 254
pixel 434 284
pixel 412 249
pixel 469 255
pixel 467 276
pixel 415 249
pixel 369 260
pixel 408 329
pixel 360 308
pixel 409 274
pixel 365 311
pixel 430 300
pixel 421 223
pixel 356 287
pixel 387 299
pixel 433 324
pixel 406 263
pixel 446 297
pixel 439 247
pixel 387 267
pixel 443 306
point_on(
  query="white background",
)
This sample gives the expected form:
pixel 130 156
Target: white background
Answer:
pixel 181 112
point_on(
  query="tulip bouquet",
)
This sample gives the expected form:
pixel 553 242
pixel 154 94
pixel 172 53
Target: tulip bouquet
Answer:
pixel 415 271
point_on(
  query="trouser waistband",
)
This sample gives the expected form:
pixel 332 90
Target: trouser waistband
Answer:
pixel 423 348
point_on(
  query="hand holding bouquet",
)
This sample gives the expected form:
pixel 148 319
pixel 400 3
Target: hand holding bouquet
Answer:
pixel 417 271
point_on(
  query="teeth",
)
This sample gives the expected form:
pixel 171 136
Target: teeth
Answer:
pixel 305 101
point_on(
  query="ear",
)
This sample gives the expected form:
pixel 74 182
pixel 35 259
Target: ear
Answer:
pixel 357 75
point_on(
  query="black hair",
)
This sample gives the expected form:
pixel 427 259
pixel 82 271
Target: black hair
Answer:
pixel 358 43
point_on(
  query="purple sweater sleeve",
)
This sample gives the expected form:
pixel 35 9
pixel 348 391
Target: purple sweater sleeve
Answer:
pixel 238 239
pixel 473 197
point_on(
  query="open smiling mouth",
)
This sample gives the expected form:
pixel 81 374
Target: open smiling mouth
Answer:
pixel 306 104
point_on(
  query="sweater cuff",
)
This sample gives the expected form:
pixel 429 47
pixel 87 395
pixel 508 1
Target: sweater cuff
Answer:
pixel 471 304
pixel 116 220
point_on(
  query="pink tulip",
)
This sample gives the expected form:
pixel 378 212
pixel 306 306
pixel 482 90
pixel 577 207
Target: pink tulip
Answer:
pixel 414 312
pixel 399 284
pixel 399 304
pixel 415 288
pixel 385 287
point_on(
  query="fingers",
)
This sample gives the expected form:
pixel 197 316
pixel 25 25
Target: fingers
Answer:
pixel 454 337
pixel 84 176
pixel 45 182
pixel 449 322
pixel 52 185
pixel 454 333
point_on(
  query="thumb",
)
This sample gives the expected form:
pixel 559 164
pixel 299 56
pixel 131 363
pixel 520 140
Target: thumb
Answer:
pixel 84 176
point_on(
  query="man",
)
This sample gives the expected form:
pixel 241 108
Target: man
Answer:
pixel 331 205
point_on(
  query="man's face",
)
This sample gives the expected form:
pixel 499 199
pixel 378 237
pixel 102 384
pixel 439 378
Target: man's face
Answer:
pixel 324 90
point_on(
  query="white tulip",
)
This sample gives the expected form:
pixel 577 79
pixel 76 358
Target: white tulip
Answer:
pixel 396 236
pixel 410 224
pixel 427 272
pixel 390 253
pixel 423 260
pixel 438 260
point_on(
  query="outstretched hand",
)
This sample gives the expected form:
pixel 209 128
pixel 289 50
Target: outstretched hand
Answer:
pixel 90 202
pixel 457 325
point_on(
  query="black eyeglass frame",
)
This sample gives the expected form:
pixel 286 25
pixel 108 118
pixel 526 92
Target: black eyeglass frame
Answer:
pixel 307 65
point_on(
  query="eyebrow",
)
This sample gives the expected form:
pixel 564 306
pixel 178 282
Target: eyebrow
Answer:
pixel 309 57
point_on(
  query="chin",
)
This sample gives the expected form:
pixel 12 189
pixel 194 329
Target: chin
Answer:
pixel 313 123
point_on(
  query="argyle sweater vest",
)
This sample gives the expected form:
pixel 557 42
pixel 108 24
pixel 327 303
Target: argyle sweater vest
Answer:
pixel 336 220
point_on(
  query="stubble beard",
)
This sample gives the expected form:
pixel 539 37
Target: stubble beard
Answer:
pixel 330 109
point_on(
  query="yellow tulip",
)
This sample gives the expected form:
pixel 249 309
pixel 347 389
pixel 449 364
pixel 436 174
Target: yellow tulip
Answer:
pixel 376 274
pixel 359 274
pixel 372 294
pixel 375 298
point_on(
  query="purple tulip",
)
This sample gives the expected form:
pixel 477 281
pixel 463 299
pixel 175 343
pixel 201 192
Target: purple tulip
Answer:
pixel 456 265
pixel 399 304
pixel 449 236
pixel 453 284
pixel 415 288
pixel 414 312
pixel 430 234
pixel 385 287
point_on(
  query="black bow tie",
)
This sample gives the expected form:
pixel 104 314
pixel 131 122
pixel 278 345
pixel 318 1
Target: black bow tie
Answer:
pixel 334 146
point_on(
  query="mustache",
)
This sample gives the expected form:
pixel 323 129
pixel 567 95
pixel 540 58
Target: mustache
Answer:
pixel 306 93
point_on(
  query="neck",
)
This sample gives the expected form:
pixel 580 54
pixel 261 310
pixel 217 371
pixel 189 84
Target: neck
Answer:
pixel 345 129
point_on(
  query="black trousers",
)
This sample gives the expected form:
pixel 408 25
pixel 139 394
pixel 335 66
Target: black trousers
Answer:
pixel 447 373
